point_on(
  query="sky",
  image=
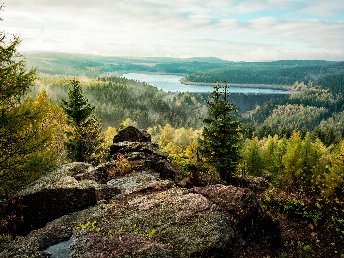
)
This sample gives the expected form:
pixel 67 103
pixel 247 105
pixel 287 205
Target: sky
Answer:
pixel 238 30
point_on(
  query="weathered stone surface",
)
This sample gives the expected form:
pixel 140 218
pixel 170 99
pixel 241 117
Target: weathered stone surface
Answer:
pixel 60 178
pixel 238 203
pixel 144 156
pixel 33 211
pixel 120 245
pixel 256 184
pixel 50 197
pixel 138 181
pixel 185 225
pixel 59 230
pixel 132 134
pixel 129 147
pixel 100 174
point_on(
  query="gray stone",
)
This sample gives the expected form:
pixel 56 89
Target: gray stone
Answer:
pixel 132 134
pixel 138 181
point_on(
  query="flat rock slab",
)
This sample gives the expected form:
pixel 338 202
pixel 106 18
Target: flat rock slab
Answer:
pixel 139 181
pixel 172 223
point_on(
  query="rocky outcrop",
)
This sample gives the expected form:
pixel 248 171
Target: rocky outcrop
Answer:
pixel 132 134
pixel 50 197
pixel 131 207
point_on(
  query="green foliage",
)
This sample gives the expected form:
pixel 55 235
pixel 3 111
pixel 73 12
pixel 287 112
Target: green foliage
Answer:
pixel 290 117
pixel 109 133
pixel 253 160
pixel 175 140
pixel 85 139
pixel 30 128
pixel 331 130
pixel 337 224
pixel 85 143
pixel 297 249
pixel 309 108
pixel 277 73
pixel 299 164
pixel 319 212
pixel 221 137
pixel 5 238
pixel 296 208
pixel 126 123
pixel 91 226
pixel 77 108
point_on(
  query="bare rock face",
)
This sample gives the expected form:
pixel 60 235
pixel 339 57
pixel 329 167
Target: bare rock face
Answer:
pixel 50 197
pixel 238 203
pixel 172 223
pixel 120 245
pixel 130 207
pixel 132 134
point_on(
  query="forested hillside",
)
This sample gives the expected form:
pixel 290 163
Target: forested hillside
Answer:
pixel 309 108
pixel 117 99
pixel 279 72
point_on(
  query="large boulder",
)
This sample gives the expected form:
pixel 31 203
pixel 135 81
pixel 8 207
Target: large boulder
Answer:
pixel 50 197
pixel 172 223
pixel 238 203
pixel 132 134
pixel 198 222
pixel 144 156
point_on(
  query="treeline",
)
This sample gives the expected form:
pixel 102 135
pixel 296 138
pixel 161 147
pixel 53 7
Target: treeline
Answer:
pixel 309 108
pixel 279 73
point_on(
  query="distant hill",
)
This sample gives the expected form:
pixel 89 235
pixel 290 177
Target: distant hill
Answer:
pixel 195 69
pixel 92 65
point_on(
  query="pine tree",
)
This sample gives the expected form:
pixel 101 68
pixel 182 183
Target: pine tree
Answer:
pixel 85 140
pixel 77 108
pixel 221 137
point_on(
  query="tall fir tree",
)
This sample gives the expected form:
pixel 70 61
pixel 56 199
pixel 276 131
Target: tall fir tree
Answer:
pixel 221 137
pixel 77 108
pixel 85 139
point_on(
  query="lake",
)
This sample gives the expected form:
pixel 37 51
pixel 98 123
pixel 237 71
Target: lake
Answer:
pixel 167 82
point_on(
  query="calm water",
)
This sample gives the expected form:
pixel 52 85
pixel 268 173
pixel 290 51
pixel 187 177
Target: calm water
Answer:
pixel 172 83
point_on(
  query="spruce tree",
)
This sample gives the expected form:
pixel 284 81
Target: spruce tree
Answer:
pixel 77 108
pixel 221 135
pixel 85 139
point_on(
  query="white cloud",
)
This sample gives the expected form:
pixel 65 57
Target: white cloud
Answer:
pixel 231 29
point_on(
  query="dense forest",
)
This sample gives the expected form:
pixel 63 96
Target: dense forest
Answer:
pixel 279 72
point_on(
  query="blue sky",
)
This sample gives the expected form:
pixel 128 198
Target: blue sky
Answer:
pixel 239 30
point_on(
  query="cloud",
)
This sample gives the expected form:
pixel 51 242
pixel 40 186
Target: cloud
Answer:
pixel 231 29
pixel 323 8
